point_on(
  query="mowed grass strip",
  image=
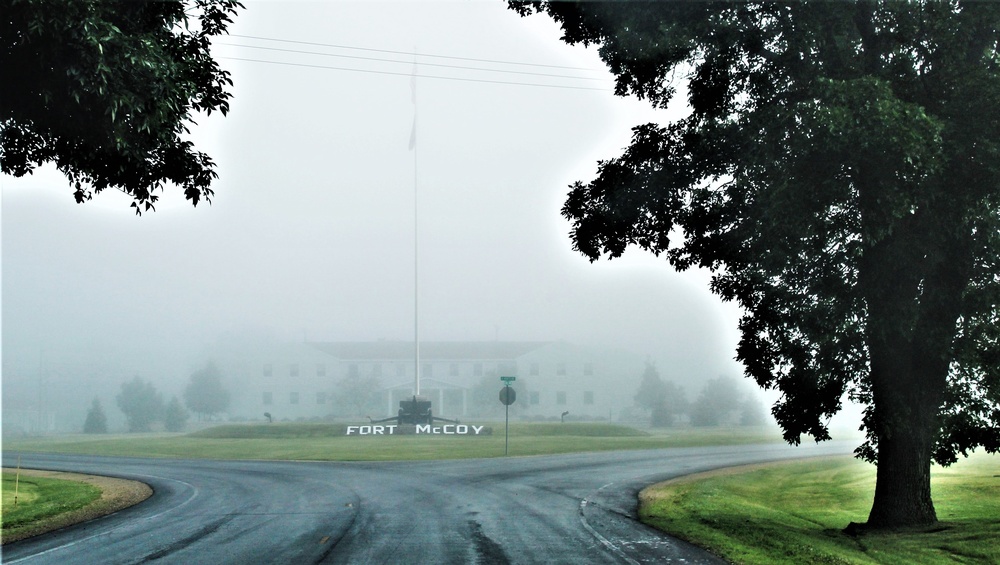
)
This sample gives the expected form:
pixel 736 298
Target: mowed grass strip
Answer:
pixel 39 498
pixel 328 442
pixel 793 513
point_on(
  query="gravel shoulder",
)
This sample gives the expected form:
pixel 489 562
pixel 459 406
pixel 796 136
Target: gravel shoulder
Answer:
pixel 116 494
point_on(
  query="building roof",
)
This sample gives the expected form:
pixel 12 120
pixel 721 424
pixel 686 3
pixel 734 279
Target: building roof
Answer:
pixel 436 350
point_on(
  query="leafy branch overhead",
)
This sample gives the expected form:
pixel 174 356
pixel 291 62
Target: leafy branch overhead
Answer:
pixel 839 172
pixel 106 91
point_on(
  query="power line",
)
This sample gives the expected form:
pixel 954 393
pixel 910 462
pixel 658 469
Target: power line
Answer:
pixel 370 71
pixel 440 65
pixel 413 53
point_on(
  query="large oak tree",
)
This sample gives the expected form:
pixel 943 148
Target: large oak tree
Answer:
pixel 106 91
pixel 839 172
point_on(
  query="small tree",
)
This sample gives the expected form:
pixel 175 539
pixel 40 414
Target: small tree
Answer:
pixel 752 411
pixel 96 422
pixel 141 403
pixel 651 389
pixel 664 399
pixel 718 403
pixel 175 416
pixel 204 395
pixel 358 396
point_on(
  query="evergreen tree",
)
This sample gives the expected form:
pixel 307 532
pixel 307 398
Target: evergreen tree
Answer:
pixel 175 416
pixel 96 422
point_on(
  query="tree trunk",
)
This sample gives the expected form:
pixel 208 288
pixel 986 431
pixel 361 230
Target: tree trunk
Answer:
pixel 902 486
pixel 912 316
pixel 903 481
pixel 906 399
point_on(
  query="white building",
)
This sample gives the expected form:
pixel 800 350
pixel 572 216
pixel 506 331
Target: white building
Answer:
pixel 300 381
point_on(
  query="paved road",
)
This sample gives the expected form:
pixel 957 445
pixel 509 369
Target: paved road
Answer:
pixel 577 508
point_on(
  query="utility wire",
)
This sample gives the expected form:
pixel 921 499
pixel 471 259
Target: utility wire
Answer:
pixel 370 71
pixel 411 53
pixel 440 65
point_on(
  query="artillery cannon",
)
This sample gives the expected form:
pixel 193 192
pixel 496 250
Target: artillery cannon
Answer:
pixel 413 411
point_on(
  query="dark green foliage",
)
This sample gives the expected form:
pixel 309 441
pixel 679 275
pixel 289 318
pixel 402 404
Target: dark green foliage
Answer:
pixel 175 417
pixel 141 403
pixel 106 90
pixel 97 421
pixel 205 395
pixel 839 172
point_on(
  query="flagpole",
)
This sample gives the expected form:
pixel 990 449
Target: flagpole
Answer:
pixel 416 272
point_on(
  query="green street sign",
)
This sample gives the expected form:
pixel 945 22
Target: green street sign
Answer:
pixel 508 379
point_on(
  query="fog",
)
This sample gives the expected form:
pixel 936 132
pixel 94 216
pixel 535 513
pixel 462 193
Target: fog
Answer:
pixel 310 235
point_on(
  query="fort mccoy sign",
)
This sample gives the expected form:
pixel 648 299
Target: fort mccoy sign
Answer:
pixel 418 429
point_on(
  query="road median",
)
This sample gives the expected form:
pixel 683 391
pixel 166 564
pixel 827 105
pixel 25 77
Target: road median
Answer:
pixel 116 494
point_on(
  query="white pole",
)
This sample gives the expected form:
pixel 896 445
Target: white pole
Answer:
pixel 416 286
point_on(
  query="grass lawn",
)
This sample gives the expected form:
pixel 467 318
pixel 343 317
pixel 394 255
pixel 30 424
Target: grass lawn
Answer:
pixel 793 513
pixel 327 442
pixel 39 498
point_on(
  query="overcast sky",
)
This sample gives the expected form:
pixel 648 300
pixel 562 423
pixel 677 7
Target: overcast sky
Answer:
pixel 311 232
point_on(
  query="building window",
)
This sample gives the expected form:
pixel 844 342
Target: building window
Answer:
pixel 533 371
pixel 588 397
pixel 320 370
pixel 477 369
pixel 267 398
pixel 293 398
pixel 352 370
pixel 320 398
pixel 561 397
pixel 453 370
pixel 588 369
pixel 377 370
pixel 561 369
pixel 293 370
pixel 267 370
pixel 533 397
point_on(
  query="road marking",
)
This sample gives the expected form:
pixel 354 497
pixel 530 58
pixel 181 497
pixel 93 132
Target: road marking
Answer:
pixel 604 541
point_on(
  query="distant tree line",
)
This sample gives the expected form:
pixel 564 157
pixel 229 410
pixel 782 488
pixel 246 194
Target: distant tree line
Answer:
pixel 143 406
pixel 721 402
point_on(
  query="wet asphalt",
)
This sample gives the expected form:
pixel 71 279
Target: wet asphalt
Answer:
pixel 577 508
